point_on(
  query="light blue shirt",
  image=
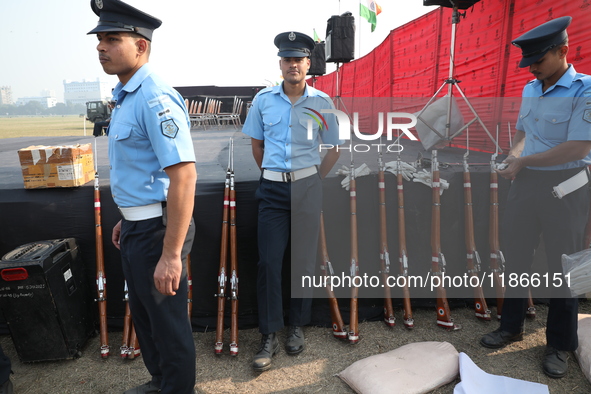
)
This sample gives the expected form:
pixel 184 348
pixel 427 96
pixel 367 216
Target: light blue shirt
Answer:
pixel 149 131
pixel 291 141
pixel 561 113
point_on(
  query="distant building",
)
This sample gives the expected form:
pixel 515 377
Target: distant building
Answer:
pixel 46 101
pixel 81 92
pixel 6 95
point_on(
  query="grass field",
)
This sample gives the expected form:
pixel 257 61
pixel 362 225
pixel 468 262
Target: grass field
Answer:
pixel 43 126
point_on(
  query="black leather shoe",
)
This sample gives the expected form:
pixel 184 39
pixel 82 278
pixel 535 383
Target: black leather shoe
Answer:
pixel 269 347
pixel 555 362
pixel 295 340
pixel 499 338
pixel 146 388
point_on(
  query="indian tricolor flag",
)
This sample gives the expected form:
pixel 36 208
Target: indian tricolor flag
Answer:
pixel 369 9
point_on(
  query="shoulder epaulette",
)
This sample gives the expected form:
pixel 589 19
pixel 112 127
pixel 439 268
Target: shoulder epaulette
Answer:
pixel 265 90
pixel 586 79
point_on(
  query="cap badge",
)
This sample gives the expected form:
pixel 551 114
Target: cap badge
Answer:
pixel 99 4
pixel 291 36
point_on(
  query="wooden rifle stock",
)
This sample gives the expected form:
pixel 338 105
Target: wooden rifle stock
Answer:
pixel 134 345
pixel 402 254
pixel 437 259
pixel 472 257
pixel 497 260
pixel 233 263
pixel 130 347
pixel 338 327
pixel 531 308
pixel 389 317
pixel 101 280
pixel 222 275
pixel 354 268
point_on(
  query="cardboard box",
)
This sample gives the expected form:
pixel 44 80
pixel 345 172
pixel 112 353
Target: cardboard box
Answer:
pixel 56 166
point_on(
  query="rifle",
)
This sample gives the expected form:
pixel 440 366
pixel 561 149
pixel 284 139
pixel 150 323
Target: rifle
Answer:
pixel 222 277
pixel 437 259
pixel 134 345
pixel 101 280
pixel 497 260
pixel 402 255
pixel 126 323
pixel 338 327
pixel 389 318
pixel 473 258
pixel 354 269
pixel 130 347
pixel 189 287
pixel 531 309
pixel 233 260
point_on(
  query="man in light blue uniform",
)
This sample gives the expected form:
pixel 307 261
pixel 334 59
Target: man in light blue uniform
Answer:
pixel 153 180
pixel 286 125
pixel 548 196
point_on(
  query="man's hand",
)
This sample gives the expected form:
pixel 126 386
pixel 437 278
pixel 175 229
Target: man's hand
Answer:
pixel 167 275
pixel 116 235
pixel 512 168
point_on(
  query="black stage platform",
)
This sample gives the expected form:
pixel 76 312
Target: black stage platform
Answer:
pixel 41 214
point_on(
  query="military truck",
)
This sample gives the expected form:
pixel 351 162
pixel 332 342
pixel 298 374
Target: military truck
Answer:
pixel 97 111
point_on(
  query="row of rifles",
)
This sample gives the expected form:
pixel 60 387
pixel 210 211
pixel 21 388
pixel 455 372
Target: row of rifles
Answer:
pixel 438 264
pixel 130 347
pixel 228 247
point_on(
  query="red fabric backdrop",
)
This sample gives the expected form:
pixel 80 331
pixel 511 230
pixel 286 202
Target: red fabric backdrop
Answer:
pixel 412 64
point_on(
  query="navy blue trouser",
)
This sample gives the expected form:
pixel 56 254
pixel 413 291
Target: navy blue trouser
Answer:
pixel 5 367
pixel 532 211
pixel 161 322
pixel 288 222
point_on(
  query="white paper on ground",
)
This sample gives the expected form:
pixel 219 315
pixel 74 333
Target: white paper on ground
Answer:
pixel 476 381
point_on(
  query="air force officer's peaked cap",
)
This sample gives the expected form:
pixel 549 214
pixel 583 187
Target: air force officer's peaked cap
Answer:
pixel 115 15
pixel 294 44
pixel 538 41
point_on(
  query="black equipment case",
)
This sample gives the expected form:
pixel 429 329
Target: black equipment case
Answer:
pixel 340 38
pixel 45 300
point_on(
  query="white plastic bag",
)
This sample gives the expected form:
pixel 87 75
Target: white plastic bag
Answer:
pixel 577 268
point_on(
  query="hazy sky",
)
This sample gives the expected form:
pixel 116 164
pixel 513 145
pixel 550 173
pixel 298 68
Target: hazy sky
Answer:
pixel 202 42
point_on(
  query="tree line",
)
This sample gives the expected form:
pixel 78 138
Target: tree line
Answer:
pixel 36 108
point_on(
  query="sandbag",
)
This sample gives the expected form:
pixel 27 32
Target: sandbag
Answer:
pixel 411 369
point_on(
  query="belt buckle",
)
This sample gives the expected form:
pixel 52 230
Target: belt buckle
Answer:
pixel 286 176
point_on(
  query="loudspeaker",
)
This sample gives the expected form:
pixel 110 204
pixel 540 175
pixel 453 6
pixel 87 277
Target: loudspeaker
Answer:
pixel 461 4
pixel 46 300
pixel 340 38
pixel 318 60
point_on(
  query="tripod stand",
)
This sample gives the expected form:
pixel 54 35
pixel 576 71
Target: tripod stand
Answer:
pixel 338 101
pixel 451 82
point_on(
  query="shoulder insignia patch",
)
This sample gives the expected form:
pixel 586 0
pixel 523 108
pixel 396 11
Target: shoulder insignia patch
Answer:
pixel 169 128
pixel 587 115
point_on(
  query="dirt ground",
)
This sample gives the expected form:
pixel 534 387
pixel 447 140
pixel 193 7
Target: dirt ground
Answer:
pixel 312 371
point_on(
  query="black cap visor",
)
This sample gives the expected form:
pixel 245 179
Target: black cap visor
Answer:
pixel 118 26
